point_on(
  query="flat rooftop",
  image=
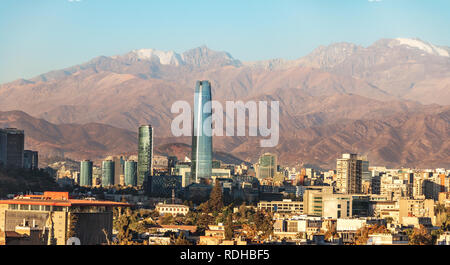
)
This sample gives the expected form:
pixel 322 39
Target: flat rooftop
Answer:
pixel 59 199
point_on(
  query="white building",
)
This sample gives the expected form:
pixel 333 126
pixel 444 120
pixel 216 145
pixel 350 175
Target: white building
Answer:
pixel 173 209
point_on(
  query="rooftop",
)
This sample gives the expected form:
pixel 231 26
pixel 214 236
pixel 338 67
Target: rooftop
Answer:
pixel 59 199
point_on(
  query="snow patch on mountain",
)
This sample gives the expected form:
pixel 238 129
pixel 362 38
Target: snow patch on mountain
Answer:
pixel 166 58
pixel 424 46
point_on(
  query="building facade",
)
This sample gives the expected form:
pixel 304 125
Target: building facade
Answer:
pixel 145 154
pixel 56 217
pixel 12 142
pixel 349 174
pixel 201 158
pixel 86 171
pixel 130 173
pixel 108 169
pixel 267 166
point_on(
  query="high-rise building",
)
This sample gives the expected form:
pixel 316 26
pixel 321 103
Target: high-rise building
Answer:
pixel 108 167
pixel 119 164
pixel 12 143
pixel 86 173
pixel 201 168
pixel 267 166
pixel 130 173
pixel 145 154
pixel 30 159
pixel 349 174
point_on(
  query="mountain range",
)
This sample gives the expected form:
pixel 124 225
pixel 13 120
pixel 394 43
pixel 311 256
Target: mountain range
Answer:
pixel 388 101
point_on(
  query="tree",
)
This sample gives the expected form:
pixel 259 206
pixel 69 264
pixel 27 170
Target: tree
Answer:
pixel 124 235
pixel 420 236
pixel 216 198
pixel 181 240
pixel 73 219
pixel 167 219
pixel 229 231
pixel 362 234
pixel 203 222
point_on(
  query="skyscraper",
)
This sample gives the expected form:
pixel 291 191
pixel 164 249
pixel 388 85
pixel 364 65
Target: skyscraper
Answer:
pixel 86 173
pixel 30 159
pixel 201 168
pixel 108 173
pixel 12 143
pixel 145 154
pixel 349 174
pixel 130 173
pixel 267 166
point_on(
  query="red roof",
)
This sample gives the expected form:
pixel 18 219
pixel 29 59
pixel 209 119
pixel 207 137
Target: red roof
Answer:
pixel 59 199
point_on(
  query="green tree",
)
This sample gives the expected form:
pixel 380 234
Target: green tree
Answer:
pixel 216 198
pixel 167 219
pixel 229 231
pixel 181 240
pixel 420 236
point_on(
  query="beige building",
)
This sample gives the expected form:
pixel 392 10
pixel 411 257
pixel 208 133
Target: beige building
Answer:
pixel 349 174
pixel 416 208
pixel 173 209
pixel 52 218
pixel 285 206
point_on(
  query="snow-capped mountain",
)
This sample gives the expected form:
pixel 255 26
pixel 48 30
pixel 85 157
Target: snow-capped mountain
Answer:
pixel 422 45
pixel 198 57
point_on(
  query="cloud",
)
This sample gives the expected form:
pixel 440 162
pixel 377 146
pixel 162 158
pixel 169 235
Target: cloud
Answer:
pixel 74 1
pixel 374 1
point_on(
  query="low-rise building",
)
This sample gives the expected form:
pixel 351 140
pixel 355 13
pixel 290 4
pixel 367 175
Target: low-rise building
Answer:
pixel 173 209
pixel 57 217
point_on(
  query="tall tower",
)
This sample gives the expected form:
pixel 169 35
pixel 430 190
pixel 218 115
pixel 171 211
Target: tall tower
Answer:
pixel 130 173
pixel 108 173
pixel 349 174
pixel 86 173
pixel 145 154
pixel 202 133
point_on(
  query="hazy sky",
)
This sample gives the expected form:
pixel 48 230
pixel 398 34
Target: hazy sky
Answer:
pixel 37 36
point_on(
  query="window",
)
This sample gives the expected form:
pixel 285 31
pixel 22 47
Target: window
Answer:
pixel 13 207
pixel 57 208
pixel 35 207
pixel 24 207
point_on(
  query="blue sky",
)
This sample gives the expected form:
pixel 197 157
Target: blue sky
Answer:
pixel 37 36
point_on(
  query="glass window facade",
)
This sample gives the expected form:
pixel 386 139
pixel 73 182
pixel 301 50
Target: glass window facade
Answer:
pixel 86 173
pixel 108 169
pixel 130 173
pixel 202 133
pixel 145 154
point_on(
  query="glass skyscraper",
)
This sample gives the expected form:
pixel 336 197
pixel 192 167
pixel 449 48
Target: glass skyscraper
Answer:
pixel 267 166
pixel 130 173
pixel 202 133
pixel 86 173
pixel 108 173
pixel 145 154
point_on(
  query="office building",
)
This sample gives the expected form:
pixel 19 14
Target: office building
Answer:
pixel 201 168
pixel 130 173
pixel 145 154
pixel 86 170
pixel 267 166
pixel 30 159
pixel 108 168
pixel 12 143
